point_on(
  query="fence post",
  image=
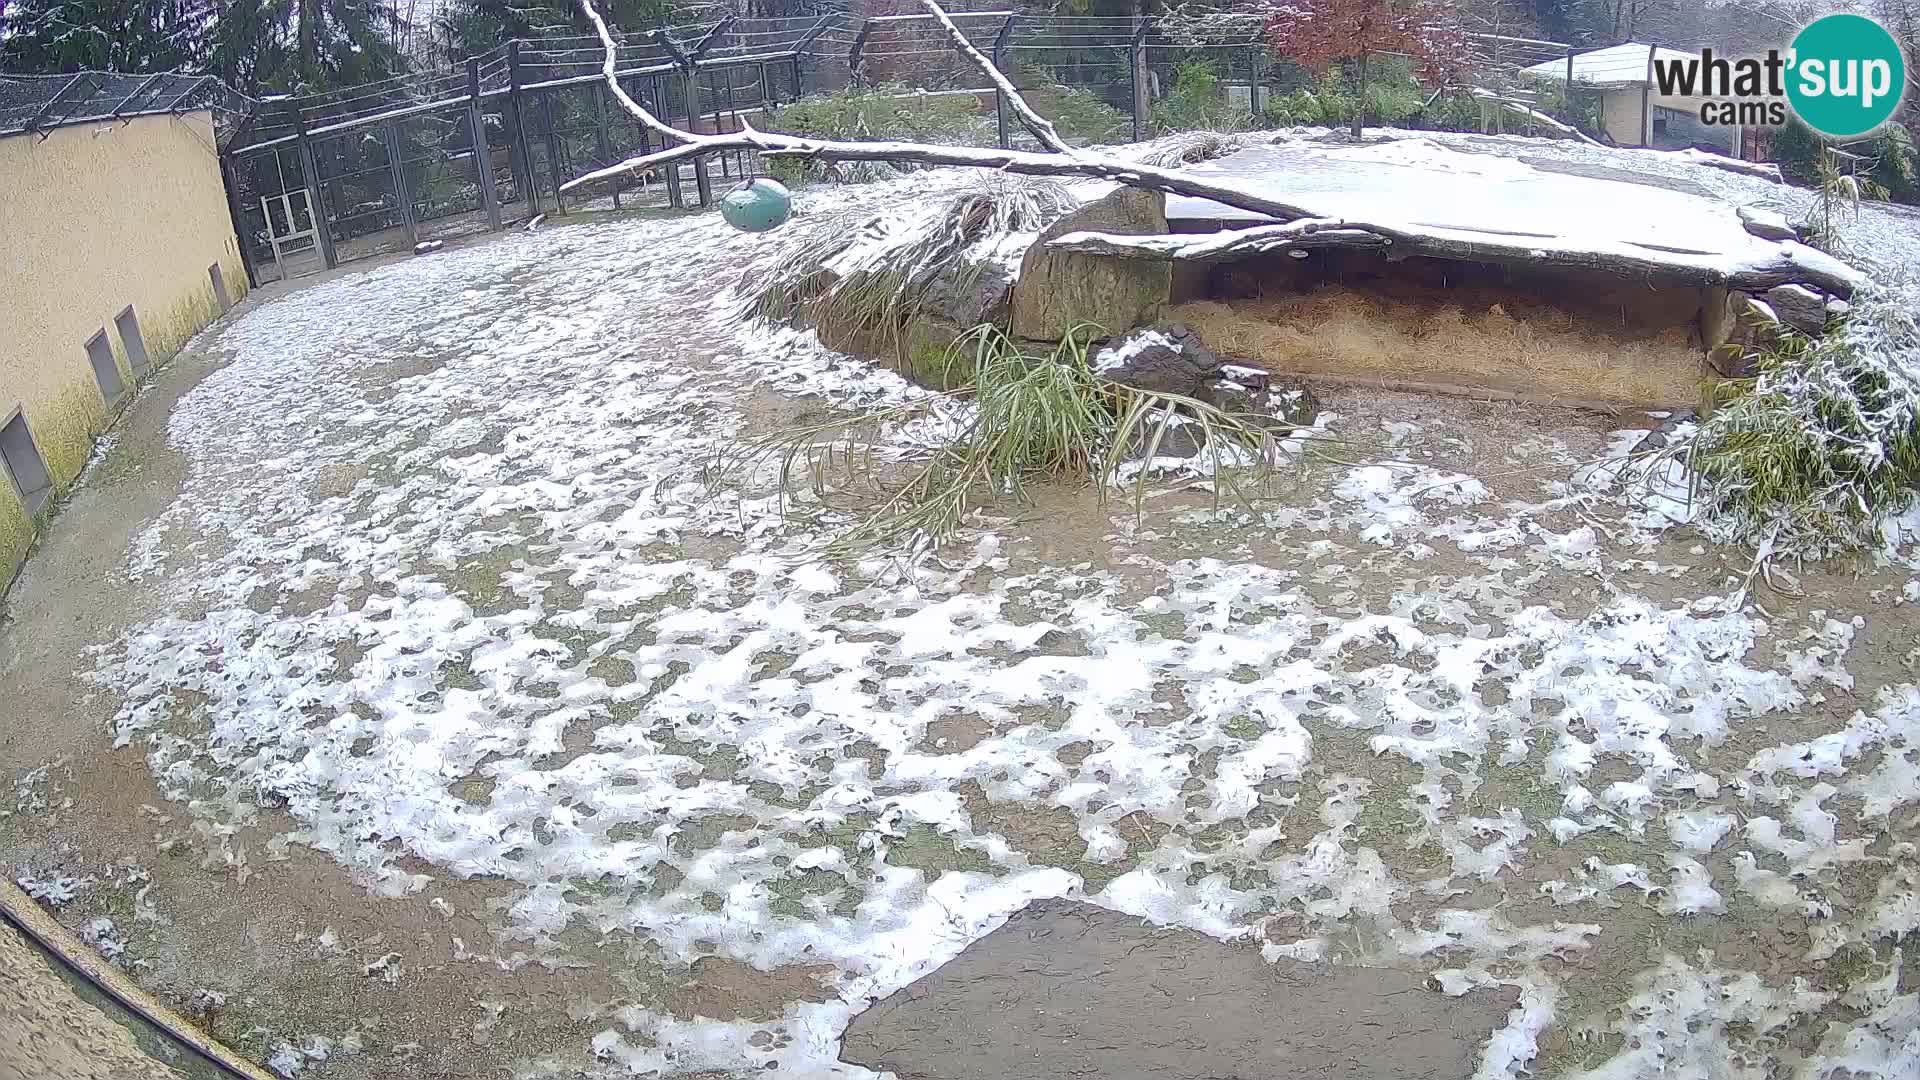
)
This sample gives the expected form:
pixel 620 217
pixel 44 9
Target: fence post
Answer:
pixel 401 194
pixel 1646 103
pixel 999 58
pixel 553 149
pixel 316 206
pixel 1253 80
pixel 800 48
pixel 482 156
pixel 600 133
pixel 230 179
pixel 1137 67
pixel 853 54
pixel 520 155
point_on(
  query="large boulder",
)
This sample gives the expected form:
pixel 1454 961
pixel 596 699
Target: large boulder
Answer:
pixel 1168 360
pixel 1799 307
pixel 1059 291
pixel 1766 224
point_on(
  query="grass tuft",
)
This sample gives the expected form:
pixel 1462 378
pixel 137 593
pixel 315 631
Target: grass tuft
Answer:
pixel 867 274
pixel 1812 456
pixel 1018 420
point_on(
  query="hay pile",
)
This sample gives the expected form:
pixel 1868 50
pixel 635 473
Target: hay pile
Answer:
pixel 1534 351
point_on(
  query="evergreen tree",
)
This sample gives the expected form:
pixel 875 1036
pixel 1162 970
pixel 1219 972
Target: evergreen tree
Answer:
pixel 49 36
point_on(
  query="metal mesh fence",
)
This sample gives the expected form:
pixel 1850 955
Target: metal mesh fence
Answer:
pixel 387 163
pixel 45 102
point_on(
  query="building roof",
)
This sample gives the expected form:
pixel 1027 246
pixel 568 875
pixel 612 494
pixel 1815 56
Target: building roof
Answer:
pixel 1617 65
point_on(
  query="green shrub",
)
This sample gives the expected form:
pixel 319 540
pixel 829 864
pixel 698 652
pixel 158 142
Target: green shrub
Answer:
pixel 889 111
pixel 1822 447
pixel 1196 103
pixel 1079 115
pixel 1391 96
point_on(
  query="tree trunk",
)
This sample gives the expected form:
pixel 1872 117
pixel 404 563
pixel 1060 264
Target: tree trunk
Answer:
pixel 309 34
pixel 1360 94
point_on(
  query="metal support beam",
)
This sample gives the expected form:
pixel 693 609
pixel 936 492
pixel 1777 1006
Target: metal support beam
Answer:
pixel 316 204
pixel 135 96
pixel 999 61
pixel 522 154
pixel 402 194
pixel 800 48
pixel 482 158
pixel 707 39
pixel 1137 69
pixel 46 111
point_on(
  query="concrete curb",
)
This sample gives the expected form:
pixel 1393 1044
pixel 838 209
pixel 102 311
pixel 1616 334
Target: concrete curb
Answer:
pixel 21 911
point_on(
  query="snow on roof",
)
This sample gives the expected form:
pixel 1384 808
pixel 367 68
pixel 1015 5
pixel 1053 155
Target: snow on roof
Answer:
pixel 1618 65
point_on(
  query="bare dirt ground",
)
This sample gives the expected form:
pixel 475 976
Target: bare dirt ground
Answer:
pixel 398 695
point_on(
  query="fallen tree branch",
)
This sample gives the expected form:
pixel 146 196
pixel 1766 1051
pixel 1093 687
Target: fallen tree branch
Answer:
pixel 1531 113
pixel 1216 246
pixel 1791 263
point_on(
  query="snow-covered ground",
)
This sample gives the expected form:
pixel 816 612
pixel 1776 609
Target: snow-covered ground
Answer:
pixel 448 582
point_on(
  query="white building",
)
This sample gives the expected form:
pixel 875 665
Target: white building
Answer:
pixel 1633 112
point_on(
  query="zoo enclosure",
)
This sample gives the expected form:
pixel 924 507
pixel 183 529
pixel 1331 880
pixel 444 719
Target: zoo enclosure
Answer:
pixel 329 178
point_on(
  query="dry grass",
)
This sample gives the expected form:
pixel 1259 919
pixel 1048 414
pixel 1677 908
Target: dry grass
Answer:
pixel 1542 353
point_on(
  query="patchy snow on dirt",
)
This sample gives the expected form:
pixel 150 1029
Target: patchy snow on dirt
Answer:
pixel 451 586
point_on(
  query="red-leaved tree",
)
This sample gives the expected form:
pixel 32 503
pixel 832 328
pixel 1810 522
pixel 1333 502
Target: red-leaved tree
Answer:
pixel 1318 33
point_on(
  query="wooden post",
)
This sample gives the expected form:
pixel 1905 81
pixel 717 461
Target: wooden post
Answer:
pixel 1569 98
pixel 316 206
pixel 397 163
pixel 1137 65
pixel 522 154
pixel 1360 95
pixel 1646 102
pixel 482 160
pixel 999 56
pixel 702 186
pixel 1253 80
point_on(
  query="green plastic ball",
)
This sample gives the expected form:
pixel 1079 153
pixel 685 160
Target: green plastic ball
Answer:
pixel 757 205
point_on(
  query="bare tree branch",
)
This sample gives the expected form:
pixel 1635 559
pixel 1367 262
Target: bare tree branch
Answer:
pixel 1041 127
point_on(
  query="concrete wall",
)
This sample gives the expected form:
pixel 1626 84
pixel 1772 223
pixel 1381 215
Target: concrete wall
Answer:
pixel 95 217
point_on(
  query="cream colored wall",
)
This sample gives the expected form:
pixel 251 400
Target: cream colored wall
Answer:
pixel 92 218
pixel 1622 113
